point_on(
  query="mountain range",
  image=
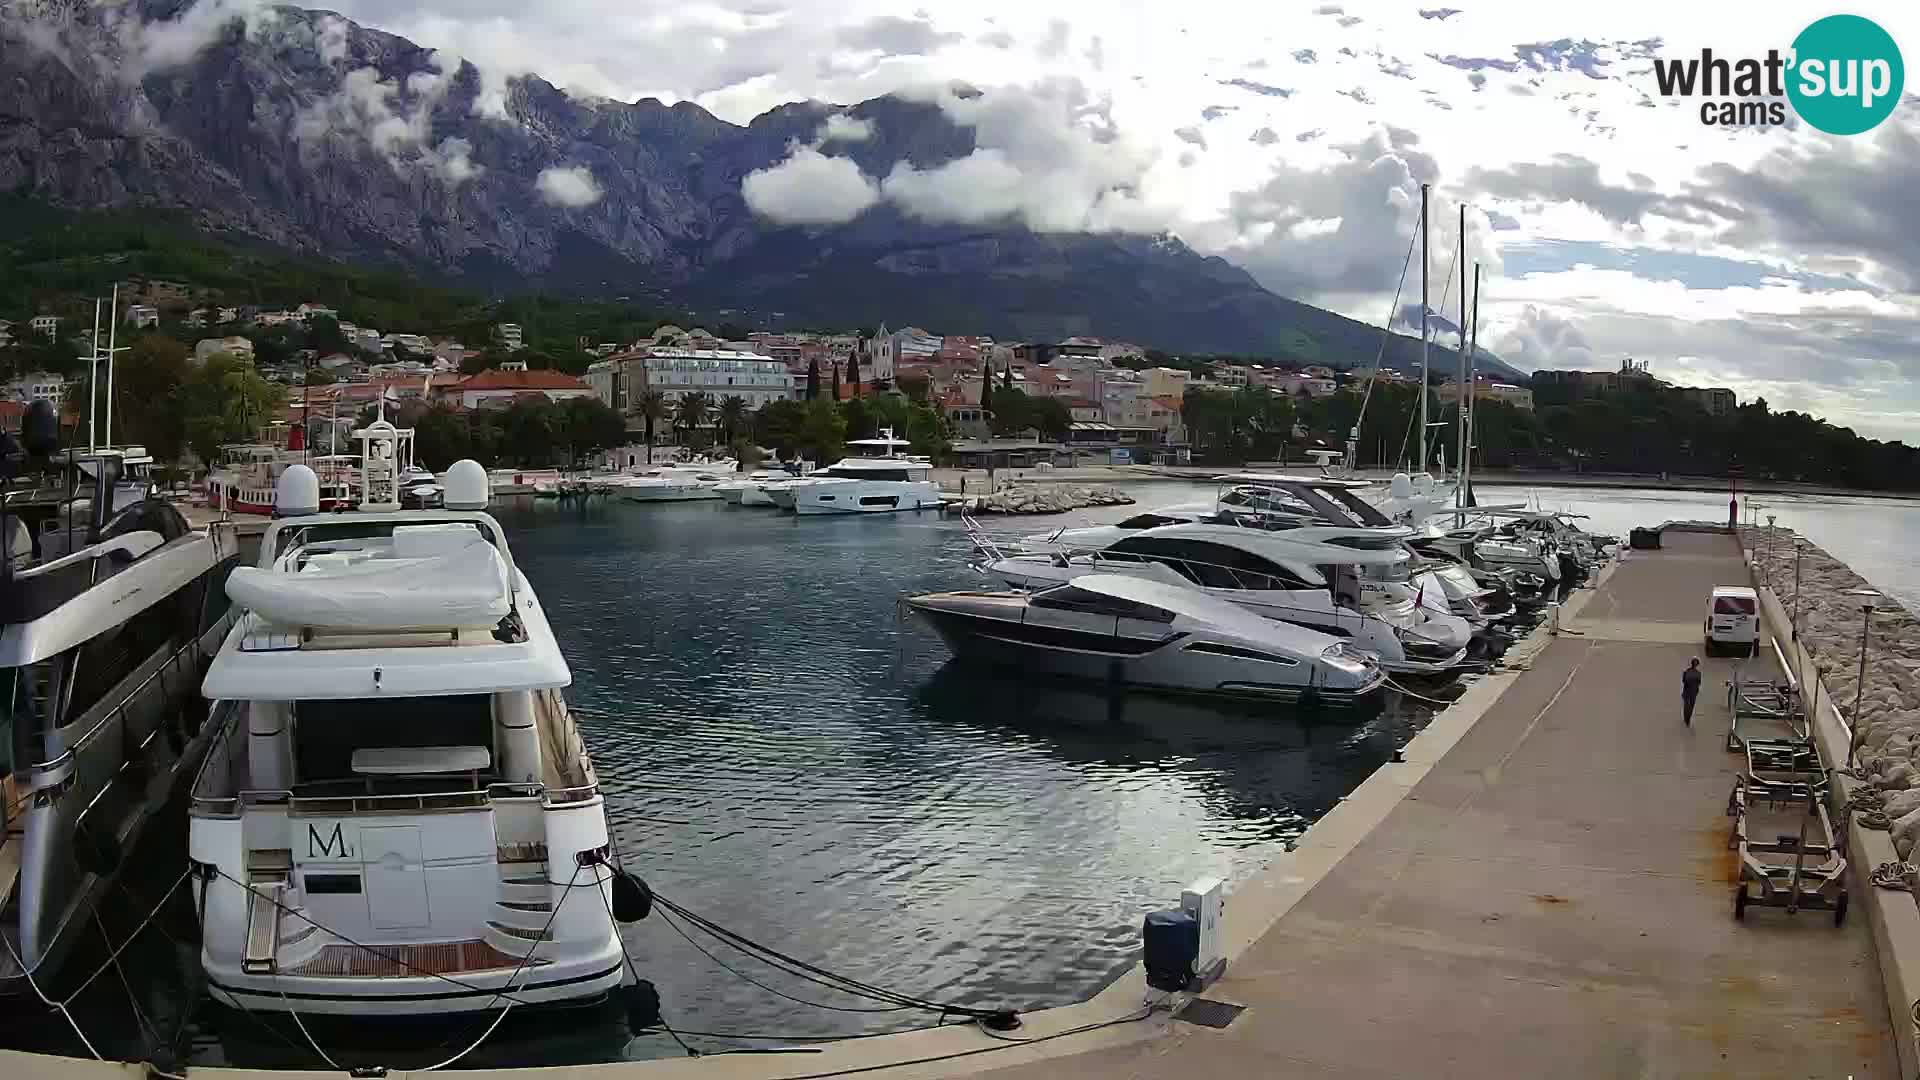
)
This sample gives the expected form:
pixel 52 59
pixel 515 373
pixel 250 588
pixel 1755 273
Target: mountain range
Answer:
pixel 305 130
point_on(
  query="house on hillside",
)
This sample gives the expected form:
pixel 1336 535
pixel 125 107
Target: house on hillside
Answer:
pixel 236 346
pixel 500 384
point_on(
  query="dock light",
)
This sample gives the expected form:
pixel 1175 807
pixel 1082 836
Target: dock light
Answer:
pixel 1867 611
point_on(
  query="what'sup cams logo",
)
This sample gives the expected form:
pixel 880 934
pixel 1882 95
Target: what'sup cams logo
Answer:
pixel 1843 75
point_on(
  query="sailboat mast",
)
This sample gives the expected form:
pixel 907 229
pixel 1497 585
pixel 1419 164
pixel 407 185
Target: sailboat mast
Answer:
pixel 1464 387
pixel 1420 460
pixel 1473 343
pixel 93 376
pixel 113 339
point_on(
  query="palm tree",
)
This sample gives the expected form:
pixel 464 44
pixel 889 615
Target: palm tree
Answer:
pixel 652 407
pixel 733 410
pixel 691 412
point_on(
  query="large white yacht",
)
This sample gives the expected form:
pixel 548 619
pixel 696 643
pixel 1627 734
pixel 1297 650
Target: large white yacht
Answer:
pixel 1347 582
pixel 110 607
pixel 882 483
pixel 400 816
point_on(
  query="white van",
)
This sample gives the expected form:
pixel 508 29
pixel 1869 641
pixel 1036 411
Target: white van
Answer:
pixel 1733 619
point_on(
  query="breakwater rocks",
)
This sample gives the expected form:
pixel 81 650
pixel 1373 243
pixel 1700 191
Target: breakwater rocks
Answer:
pixel 1887 734
pixel 1044 499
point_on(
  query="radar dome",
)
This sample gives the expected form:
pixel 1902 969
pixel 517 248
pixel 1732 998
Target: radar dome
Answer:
pixel 297 493
pixel 466 486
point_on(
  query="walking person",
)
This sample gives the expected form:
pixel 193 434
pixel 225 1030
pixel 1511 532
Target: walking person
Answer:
pixel 1689 690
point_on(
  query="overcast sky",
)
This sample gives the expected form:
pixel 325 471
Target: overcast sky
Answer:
pixel 1291 139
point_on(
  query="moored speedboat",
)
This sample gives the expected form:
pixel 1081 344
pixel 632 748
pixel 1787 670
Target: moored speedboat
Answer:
pixel 736 490
pixel 1345 581
pixel 1127 630
pixel 400 817
pixel 110 608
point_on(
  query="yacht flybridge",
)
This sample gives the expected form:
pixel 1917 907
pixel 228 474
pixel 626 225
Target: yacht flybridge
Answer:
pixel 399 816
pixel 110 606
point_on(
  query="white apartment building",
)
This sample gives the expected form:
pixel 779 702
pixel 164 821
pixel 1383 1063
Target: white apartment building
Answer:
pixel 140 316
pixel 677 372
pixel 38 386
pixel 236 345
pixel 509 336
pixel 45 325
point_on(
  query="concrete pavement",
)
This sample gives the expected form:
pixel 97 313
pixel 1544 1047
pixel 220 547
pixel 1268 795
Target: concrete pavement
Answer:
pixel 1553 898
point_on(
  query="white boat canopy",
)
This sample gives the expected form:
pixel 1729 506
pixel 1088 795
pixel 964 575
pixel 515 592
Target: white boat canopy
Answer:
pixel 461 586
pixel 1281 546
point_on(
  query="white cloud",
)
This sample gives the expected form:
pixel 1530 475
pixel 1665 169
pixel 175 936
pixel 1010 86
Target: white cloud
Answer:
pixel 810 188
pixel 393 117
pixel 571 187
pixel 841 127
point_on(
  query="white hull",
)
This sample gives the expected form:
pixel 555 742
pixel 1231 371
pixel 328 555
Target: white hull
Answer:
pixel 1312 609
pixel 865 496
pixel 665 493
pixel 754 496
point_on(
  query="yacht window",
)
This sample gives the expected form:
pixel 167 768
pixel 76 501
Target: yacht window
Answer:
pixel 1239 653
pixel 1148 521
pixel 326 733
pixel 106 660
pixel 1068 598
pixel 27 716
pixel 870 474
pixel 1216 566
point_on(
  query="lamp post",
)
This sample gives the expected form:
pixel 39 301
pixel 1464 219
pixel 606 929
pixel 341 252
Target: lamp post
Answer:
pixel 1867 597
pixel 1799 547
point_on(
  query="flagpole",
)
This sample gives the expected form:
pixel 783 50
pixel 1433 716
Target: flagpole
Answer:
pixel 1420 455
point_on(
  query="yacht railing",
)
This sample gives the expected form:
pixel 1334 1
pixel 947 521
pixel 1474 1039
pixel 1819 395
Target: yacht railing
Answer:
pixel 228 806
pixel 1195 571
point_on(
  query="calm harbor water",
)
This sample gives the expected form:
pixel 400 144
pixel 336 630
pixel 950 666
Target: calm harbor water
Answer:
pixel 786 755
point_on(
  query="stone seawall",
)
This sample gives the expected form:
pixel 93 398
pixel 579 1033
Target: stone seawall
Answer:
pixel 1044 499
pixel 1887 729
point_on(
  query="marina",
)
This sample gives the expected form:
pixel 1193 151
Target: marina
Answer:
pixel 1008 780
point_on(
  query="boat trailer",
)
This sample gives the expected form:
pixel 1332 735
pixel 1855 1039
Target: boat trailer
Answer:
pixel 1768 704
pixel 1782 794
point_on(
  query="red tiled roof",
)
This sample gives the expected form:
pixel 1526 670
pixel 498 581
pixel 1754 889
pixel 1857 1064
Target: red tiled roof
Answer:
pixel 496 379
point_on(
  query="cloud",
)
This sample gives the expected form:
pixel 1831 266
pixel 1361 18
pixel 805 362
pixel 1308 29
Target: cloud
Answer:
pixel 1047 156
pixel 571 187
pixel 897 36
pixel 810 188
pixel 1540 340
pixel 1263 136
pixel 393 117
pixel 1190 134
pixel 1259 88
pixel 841 127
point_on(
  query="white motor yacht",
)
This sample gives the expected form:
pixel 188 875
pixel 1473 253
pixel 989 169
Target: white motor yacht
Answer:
pixel 662 485
pixel 1129 630
pixel 110 609
pixel 884 483
pixel 1347 582
pixel 400 817
pixel 734 491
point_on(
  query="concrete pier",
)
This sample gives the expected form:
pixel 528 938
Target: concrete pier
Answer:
pixel 1554 897
pixel 1542 888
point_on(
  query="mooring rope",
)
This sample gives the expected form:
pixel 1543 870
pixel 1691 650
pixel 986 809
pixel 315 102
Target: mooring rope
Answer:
pixel 112 959
pixel 1895 875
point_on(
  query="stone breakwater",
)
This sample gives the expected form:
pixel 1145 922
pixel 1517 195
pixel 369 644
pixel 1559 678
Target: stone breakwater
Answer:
pixel 1887 734
pixel 1044 499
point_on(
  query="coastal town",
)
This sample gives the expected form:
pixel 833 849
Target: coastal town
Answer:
pixel 1094 399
